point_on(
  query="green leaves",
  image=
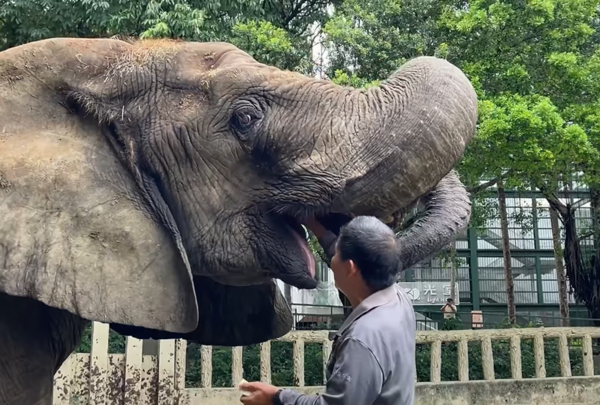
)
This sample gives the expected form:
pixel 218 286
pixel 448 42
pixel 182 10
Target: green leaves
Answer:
pixel 275 32
pixel 267 43
pixel 371 39
pixel 170 19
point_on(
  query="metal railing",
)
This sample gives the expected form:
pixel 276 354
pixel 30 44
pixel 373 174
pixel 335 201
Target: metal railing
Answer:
pixel 330 317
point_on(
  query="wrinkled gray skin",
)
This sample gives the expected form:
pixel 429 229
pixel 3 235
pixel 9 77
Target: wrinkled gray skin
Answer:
pixel 146 185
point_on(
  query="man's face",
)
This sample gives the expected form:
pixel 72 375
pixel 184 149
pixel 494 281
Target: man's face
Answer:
pixel 343 270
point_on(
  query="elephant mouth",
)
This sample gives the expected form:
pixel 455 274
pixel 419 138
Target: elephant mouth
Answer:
pixel 299 234
pixel 293 226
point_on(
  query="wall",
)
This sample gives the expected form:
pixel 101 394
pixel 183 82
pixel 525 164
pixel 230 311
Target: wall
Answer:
pixel 573 391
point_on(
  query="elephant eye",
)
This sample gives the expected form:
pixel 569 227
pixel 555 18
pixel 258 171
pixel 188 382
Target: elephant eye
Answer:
pixel 243 121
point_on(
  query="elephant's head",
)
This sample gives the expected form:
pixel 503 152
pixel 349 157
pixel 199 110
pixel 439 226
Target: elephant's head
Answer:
pixel 160 185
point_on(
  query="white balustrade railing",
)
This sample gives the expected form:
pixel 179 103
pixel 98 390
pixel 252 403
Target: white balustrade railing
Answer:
pixel 134 378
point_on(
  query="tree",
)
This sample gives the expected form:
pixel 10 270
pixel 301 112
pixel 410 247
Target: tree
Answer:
pixel 276 32
pixel 546 72
pixel 368 40
pixel 508 276
pixel 563 301
pixel 534 66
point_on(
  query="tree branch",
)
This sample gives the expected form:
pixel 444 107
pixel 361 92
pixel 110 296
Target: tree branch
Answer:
pixel 585 235
pixel 488 184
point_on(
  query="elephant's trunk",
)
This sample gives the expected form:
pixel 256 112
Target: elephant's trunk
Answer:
pixel 404 138
pixel 447 212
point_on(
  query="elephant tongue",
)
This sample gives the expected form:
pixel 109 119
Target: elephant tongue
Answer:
pixel 308 256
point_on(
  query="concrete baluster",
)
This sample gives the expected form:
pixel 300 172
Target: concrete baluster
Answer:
pixel 487 358
pixel 463 360
pixel 436 361
pixel 265 362
pixel 563 355
pixel 515 358
pixel 299 362
pixel 588 356
pixel 237 370
pixel 538 352
pixel 206 366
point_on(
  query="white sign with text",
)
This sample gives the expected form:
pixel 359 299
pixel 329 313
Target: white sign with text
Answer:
pixel 429 292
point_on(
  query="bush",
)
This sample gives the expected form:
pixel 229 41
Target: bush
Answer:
pixel 282 370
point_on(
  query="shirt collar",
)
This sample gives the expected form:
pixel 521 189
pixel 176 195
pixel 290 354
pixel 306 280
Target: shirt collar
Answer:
pixel 373 301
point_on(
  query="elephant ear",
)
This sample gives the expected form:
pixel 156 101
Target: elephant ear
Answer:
pixel 75 232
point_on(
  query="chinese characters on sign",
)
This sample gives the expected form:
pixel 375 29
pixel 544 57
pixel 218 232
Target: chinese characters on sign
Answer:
pixel 429 292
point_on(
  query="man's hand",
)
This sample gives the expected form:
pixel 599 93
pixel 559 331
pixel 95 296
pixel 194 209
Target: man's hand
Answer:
pixel 260 393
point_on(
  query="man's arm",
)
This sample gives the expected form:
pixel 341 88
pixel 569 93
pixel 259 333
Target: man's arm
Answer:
pixel 357 378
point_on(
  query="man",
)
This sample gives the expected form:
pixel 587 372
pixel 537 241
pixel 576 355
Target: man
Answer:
pixel 449 309
pixel 373 356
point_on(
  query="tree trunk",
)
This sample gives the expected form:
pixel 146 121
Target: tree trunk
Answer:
pixel 510 286
pixel 582 268
pixel 454 270
pixel 563 300
pixel 595 214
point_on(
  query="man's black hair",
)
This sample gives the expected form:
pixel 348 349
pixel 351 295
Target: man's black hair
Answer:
pixel 372 246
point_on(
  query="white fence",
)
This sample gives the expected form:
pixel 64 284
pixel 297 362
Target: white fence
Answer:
pixel 133 378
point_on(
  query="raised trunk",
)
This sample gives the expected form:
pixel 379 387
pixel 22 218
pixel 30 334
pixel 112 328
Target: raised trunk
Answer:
pixel 510 287
pixel 447 212
pixel 402 140
pixel 563 300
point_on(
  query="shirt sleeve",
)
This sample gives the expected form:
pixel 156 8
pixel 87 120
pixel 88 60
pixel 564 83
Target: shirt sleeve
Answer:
pixel 357 378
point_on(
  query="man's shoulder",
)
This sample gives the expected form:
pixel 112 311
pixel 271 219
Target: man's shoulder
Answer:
pixel 390 321
pixel 388 331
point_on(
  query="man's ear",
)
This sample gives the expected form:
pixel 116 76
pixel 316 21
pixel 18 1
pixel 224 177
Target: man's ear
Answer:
pixel 352 269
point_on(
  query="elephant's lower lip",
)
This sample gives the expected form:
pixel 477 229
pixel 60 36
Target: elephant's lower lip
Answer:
pixel 308 256
pixel 296 229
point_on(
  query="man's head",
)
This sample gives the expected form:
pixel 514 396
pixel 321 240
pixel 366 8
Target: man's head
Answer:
pixel 366 254
pixel 450 301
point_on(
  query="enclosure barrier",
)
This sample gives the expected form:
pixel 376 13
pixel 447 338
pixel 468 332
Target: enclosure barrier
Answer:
pixel 133 378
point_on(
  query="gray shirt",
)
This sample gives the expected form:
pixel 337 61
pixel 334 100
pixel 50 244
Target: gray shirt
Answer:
pixel 372 361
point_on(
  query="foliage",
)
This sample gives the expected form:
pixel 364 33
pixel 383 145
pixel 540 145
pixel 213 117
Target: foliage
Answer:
pixel 535 67
pixel 281 365
pixel 277 32
pixel 370 39
pixel 116 342
pixel 266 42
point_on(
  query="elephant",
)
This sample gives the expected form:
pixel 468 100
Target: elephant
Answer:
pixel 160 185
